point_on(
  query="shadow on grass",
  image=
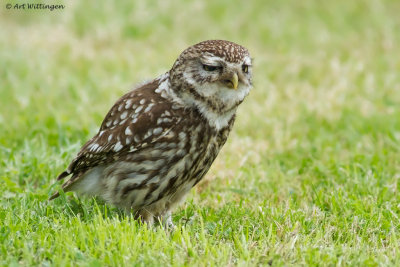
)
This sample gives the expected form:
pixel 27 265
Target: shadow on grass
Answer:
pixel 86 208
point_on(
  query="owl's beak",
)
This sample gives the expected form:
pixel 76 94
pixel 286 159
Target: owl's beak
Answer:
pixel 232 82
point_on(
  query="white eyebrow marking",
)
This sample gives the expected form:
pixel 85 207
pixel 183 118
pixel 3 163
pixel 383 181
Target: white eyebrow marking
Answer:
pixel 247 61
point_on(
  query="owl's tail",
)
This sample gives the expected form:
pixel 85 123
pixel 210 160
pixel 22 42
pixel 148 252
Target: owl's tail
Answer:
pixel 59 177
pixel 63 175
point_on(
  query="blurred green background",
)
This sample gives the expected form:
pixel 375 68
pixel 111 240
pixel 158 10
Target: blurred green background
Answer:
pixel 311 169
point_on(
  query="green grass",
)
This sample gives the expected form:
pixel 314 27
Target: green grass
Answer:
pixel 309 176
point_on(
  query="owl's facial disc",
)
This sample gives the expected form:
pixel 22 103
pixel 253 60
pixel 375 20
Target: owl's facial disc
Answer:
pixel 215 70
pixel 212 70
pixel 214 76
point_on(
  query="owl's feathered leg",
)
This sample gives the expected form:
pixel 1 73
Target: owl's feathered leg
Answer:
pixel 148 217
pixel 145 216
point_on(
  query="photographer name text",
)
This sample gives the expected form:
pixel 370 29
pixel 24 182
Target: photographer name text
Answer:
pixel 32 6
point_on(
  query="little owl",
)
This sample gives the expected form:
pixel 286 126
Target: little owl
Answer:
pixel 160 139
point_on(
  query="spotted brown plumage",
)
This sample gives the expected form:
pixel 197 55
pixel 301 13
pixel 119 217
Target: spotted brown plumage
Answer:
pixel 160 139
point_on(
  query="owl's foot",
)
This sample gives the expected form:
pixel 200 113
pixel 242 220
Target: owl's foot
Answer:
pixel 168 224
pixel 166 221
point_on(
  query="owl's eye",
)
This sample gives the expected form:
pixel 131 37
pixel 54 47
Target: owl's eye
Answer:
pixel 209 68
pixel 245 68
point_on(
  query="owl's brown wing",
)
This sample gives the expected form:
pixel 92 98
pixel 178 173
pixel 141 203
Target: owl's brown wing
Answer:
pixel 136 120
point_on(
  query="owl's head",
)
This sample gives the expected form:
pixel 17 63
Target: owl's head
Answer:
pixel 213 75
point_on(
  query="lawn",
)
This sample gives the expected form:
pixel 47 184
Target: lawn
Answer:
pixel 309 175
